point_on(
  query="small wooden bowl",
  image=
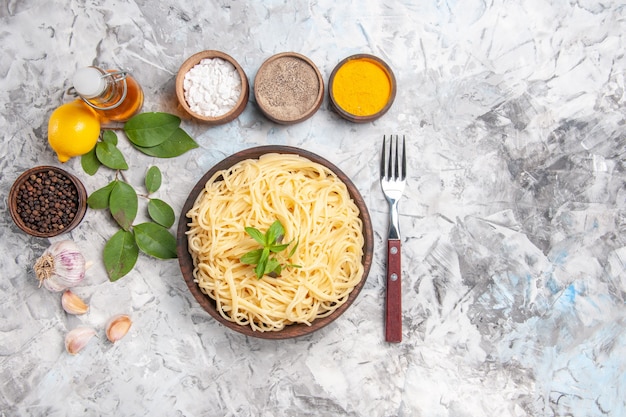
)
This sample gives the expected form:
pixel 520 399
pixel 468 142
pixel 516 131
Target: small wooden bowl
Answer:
pixel 370 117
pixel 238 108
pixel 279 88
pixel 186 262
pixel 16 193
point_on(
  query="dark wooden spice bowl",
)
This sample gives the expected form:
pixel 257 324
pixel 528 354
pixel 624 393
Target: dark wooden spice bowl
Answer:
pixel 70 215
pixel 208 304
pixel 288 88
pixel 242 102
pixel 354 117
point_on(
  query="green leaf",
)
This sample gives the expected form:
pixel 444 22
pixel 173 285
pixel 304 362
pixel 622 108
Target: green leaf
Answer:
pixel 275 233
pixel 175 145
pixel 271 244
pixel 273 266
pixel 123 204
pixel 161 212
pixel 110 156
pixel 293 250
pixel 252 257
pixel 261 267
pixel 120 254
pixel 259 270
pixel 151 129
pixel 155 240
pixel 153 179
pixel 278 248
pixel 89 162
pixel 256 234
pixel 110 136
pixel 99 199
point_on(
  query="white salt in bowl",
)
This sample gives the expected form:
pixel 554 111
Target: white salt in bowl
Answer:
pixel 206 99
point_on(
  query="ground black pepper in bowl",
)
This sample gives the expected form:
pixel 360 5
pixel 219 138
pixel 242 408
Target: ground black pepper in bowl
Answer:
pixel 46 201
pixel 288 88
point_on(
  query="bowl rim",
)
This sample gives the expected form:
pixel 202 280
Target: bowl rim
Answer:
pixel 244 95
pixel 186 262
pixel 81 209
pixel 318 99
pixel 353 117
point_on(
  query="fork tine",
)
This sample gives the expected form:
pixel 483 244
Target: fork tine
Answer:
pixel 383 166
pixel 396 160
pixel 390 159
pixel 403 157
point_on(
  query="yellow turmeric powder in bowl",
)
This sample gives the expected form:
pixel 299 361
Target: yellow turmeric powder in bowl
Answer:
pixel 362 88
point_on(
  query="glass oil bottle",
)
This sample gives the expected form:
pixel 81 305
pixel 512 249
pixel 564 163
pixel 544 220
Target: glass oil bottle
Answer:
pixel 115 95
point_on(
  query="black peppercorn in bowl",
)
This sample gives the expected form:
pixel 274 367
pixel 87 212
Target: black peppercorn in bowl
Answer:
pixel 46 201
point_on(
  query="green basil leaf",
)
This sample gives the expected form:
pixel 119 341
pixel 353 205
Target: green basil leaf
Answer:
pixel 151 129
pixel 99 199
pixel 265 255
pixel 256 234
pixel 153 179
pixel 89 162
pixel 123 204
pixel 293 250
pixel 110 156
pixel 274 233
pixel 110 136
pixel 278 248
pixel 161 212
pixel 175 145
pixel 271 242
pixel 259 270
pixel 155 240
pixel 120 254
pixel 273 266
pixel 252 257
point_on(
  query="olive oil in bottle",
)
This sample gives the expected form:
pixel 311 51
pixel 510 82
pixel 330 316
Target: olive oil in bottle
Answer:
pixel 115 95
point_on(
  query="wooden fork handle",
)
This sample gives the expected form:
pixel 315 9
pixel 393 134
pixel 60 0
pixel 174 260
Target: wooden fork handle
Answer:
pixel 393 313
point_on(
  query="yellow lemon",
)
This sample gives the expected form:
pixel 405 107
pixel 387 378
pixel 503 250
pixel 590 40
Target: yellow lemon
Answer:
pixel 73 129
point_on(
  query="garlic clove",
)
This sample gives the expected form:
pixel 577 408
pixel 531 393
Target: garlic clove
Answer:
pixel 78 338
pixel 117 327
pixel 73 304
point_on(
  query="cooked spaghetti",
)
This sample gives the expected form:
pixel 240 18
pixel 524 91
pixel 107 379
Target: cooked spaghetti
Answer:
pixel 315 209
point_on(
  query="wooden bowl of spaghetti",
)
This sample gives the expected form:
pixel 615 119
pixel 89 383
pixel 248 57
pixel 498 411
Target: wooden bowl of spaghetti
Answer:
pixel 326 226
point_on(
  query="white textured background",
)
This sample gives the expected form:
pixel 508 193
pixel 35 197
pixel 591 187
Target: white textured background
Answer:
pixel 513 222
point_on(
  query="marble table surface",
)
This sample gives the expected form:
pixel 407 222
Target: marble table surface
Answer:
pixel 513 222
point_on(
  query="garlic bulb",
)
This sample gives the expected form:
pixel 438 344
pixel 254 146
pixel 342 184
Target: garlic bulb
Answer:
pixel 117 327
pixel 61 266
pixel 78 338
pixel 73 304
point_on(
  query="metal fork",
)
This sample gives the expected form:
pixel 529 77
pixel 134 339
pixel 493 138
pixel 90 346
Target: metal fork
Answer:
pixel 392 181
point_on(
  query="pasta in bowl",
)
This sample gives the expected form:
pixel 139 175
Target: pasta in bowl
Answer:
pixel 320 257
